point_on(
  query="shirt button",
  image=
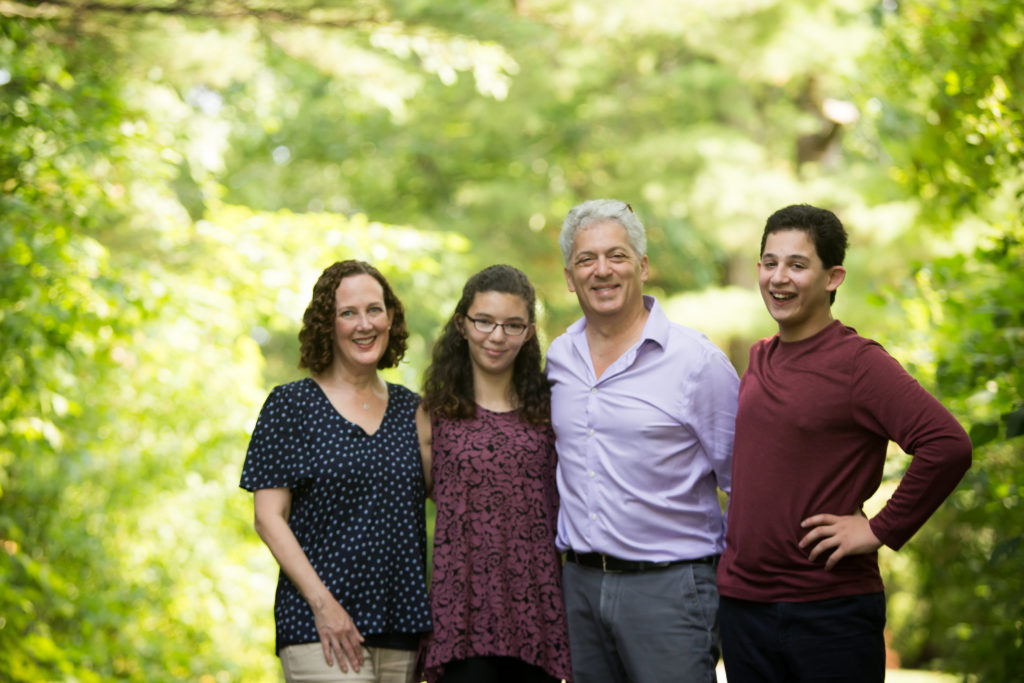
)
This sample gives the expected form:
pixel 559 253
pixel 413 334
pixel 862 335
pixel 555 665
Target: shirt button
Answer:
pixel 593 516
pixel 591 474
pixel 593 390
pixel 591 432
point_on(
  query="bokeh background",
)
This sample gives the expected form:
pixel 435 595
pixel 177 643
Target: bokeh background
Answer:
pixel 175 175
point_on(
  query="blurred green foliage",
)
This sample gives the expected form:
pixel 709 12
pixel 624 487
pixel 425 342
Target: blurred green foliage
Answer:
pixel 953 82
pixel 176 175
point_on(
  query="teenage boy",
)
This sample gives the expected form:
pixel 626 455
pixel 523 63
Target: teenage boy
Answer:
pixel 802 597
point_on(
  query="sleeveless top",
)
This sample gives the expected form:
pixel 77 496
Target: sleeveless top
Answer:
pixel 496 586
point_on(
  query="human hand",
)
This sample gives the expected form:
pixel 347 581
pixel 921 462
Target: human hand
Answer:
pixel 842 534
pixel 339 636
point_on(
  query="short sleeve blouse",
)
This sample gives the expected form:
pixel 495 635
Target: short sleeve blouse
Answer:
pixel 357 508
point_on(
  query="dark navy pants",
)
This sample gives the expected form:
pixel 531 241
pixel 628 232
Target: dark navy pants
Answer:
pixel 793 642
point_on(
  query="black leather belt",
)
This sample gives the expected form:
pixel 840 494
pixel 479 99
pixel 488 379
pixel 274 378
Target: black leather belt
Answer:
pixel 613 565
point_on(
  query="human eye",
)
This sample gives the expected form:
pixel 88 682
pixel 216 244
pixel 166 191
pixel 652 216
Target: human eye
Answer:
pixel 584 260
pixel 515 328
pixel 483 324
pixel 768 263
pixel 345 314
pixel 619 256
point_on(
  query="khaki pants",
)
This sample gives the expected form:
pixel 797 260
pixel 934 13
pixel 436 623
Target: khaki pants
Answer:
pixel 305 664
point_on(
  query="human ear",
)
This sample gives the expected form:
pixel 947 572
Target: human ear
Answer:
pixel 836 275
pixel 568 280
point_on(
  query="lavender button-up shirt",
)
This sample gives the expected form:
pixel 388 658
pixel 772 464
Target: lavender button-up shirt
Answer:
pixel 643 450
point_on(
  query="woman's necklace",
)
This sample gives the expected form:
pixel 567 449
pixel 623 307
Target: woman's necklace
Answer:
pixel 365 401
pixel 375 396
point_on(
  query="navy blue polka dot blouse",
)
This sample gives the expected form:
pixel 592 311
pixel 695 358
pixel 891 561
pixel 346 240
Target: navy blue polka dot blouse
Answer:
pixel 357 508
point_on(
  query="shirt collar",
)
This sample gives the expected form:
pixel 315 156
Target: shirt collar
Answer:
pixel 656 328
pixel 657 325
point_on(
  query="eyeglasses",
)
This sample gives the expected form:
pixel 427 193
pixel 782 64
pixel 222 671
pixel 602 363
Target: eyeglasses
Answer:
pixel 487 326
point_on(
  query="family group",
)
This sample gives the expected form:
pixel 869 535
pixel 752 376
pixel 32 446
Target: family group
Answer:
pixel 622 508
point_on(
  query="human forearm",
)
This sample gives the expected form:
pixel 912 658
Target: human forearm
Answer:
pixel 339 636
pixel 933 474
pixel 278 537
pixel 890 402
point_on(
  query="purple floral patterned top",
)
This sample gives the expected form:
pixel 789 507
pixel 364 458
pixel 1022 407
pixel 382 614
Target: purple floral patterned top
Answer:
pixel 496 587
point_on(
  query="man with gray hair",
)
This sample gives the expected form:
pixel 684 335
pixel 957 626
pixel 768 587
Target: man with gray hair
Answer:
pixel 643 412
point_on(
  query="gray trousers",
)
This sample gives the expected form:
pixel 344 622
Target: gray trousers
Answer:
pixel 648 627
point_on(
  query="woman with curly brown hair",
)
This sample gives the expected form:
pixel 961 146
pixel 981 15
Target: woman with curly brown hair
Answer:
pixel 485 427
pixel 338 484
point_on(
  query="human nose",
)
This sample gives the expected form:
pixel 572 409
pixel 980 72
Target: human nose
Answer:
pixel 498 329
pixel 780 274
pixel 603 267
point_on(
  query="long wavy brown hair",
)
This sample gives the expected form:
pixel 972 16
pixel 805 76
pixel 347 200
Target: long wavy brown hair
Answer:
pixel 317 334
pixel 448 382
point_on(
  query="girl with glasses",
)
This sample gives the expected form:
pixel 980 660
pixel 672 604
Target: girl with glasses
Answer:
pixel 485 430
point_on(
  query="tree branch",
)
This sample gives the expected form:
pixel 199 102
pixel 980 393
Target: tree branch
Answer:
pixel 188 9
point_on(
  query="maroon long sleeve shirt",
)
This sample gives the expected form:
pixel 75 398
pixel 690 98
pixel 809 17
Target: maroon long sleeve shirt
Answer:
pixel 814 421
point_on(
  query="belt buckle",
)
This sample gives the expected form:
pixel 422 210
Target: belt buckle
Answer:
pixel 604 566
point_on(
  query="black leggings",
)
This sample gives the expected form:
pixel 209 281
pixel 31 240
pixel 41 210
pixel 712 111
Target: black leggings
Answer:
pixel 494 670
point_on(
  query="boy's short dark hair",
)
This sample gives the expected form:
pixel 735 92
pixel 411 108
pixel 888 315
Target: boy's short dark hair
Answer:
pixel 821 225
